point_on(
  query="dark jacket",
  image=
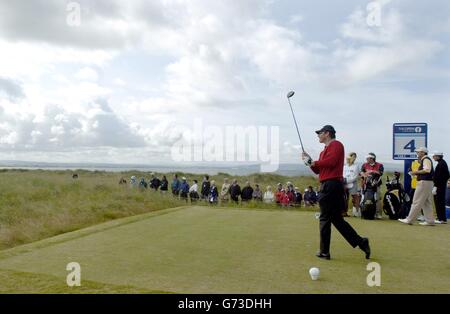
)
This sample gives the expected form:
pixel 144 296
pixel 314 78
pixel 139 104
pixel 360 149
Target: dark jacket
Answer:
pixel 441 174
pixel 206 188
pixel 164 184
pixel 184 188
pixel 155 183
pixel 247 193
pixel 310 197
pixel 298 197
pixel 235 191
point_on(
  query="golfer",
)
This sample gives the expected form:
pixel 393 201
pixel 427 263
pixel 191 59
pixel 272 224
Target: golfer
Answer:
pixel 330 168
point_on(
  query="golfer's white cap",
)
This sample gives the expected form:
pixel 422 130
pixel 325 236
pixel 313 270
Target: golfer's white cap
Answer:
pixel 438 153
pixel 183 178
pixel 422 150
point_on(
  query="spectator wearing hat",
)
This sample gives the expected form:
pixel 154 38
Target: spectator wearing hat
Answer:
pixel 423 198
pixel 441 176
pixel 369 168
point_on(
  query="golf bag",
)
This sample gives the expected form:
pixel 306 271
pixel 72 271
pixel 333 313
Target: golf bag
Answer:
pixel 370 197
pixel 396 202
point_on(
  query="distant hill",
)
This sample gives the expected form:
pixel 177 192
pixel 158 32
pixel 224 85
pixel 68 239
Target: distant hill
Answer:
pixel 233 169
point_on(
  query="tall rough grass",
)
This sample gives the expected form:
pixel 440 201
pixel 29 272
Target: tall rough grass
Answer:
pixel 39 204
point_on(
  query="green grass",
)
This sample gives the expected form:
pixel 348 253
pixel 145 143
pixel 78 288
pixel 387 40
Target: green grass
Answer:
pixel 38 204
pixel 222 250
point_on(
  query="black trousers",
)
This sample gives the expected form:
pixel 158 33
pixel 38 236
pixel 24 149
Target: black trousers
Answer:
pixel 332 202
pixel 439 202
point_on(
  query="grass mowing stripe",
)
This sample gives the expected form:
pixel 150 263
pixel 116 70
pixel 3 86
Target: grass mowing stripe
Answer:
pixel 83 232
pixel 13 282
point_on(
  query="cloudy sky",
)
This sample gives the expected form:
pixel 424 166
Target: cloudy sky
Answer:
pixel 128 82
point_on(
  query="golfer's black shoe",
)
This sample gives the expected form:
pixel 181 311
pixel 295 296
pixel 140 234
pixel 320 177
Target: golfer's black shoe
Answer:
pixel 364 246
pixel 323 256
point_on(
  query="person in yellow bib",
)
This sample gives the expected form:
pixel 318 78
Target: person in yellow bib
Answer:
pixel 414 167
pixel 423 197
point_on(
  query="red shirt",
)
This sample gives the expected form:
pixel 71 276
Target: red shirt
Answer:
pixel 331 162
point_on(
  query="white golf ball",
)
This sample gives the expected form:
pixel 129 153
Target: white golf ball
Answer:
pixel 314 272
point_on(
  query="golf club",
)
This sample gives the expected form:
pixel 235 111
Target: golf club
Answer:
pixel 289 95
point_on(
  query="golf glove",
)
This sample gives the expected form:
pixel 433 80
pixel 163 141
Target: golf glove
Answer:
pixel 434 191
pixel 307 161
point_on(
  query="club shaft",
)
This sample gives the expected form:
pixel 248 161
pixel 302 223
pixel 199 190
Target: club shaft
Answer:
pixel 296 125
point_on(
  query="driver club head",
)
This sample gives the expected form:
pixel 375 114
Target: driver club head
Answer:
pixel 290 94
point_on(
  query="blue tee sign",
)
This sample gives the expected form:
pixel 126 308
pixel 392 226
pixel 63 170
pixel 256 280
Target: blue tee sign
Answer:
pixel 408 137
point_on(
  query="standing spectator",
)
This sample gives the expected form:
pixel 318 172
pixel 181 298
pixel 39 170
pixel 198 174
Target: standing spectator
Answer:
pixel 184 189
pixel 213 193
pixel 164 184
pixel 310 197
pixel 133 182
pixel 268 195
pixel 193 192
pixel 155 183
pixel 414 167
pixel 369 168
pixel 235 191
pixel 206 187
pixel 175 185
pixel 441 176
pixel 225 191
pixel 298 198
pixel 279 193
pixel 423 198
pixel 257 194
pixel 247 192
pixel 142 184
pixel 351 174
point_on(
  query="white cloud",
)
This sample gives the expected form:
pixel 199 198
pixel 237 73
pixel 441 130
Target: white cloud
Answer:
pixel 87 74
pixel 161 64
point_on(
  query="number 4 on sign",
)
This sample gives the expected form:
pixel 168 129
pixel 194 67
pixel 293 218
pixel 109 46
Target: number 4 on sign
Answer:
pixel 411 146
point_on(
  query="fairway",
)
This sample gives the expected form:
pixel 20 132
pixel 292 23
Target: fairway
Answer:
pixel 223 250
